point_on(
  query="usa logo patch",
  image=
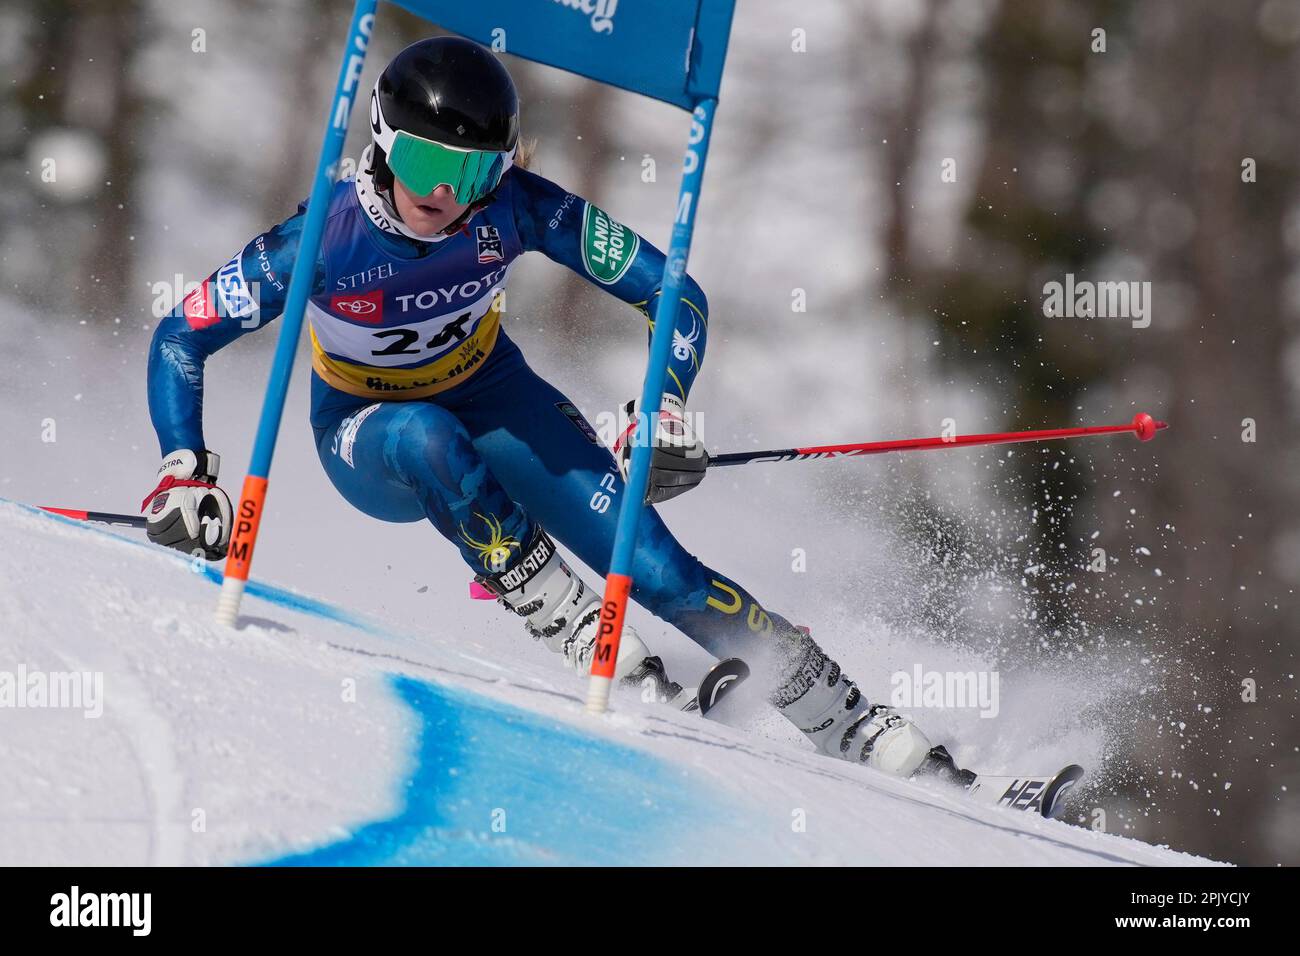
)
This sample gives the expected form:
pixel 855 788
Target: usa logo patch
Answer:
pixel 489 244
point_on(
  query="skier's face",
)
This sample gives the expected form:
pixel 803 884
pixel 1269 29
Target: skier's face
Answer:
pixel 427 215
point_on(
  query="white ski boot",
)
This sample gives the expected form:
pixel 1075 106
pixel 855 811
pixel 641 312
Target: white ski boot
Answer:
pixel 827 707
pixel 560 610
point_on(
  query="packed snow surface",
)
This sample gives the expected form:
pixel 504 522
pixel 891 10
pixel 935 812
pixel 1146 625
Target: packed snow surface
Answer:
pixel 316 734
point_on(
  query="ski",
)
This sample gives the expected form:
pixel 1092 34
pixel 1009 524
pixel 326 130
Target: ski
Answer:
pixel 1041 795
pixel 720 680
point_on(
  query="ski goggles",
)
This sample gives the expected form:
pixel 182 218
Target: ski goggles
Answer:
pixel 423 164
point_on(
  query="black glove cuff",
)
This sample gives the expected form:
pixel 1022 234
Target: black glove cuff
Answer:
pixel 208 467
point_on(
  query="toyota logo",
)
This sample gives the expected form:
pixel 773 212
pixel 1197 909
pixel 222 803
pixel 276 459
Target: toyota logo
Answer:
pixel 356 306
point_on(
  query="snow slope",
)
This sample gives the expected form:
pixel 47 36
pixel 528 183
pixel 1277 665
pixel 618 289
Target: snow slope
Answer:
pixel 312 735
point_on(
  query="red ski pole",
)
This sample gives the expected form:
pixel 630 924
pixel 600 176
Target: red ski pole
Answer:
pixel 1143 425
pixel 101 517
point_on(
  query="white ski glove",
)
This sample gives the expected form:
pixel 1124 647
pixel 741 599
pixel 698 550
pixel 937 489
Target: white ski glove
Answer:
pixel 678 459
pixel 187 511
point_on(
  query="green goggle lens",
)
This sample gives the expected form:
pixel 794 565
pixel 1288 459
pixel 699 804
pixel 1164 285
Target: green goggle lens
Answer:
pixel 423 165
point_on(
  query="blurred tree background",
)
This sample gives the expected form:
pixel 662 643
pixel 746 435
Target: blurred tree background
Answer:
pixel 141 139
pixel 1167 155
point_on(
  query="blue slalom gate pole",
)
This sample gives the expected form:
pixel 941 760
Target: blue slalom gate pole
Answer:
pixel 618 583
pixel 253 496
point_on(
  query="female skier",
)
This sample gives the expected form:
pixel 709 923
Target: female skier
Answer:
pixel 423 407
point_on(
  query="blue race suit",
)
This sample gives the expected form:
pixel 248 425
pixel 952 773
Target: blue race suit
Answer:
pixel 423 407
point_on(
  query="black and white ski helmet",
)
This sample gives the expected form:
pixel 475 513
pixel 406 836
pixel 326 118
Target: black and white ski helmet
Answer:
pixel 449 90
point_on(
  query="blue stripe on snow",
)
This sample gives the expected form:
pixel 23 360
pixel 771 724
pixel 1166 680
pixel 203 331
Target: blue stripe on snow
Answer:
pixel 300 602
pixel 212 571
pixel 556 796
